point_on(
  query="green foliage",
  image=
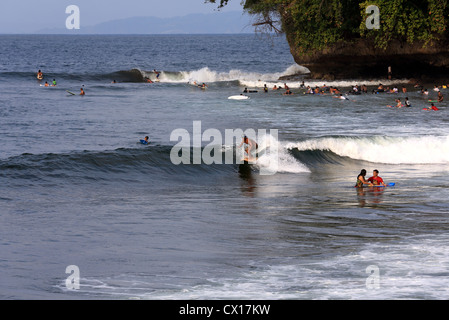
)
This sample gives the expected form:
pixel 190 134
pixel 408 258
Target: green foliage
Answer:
pixel 407 21
pixel 315 25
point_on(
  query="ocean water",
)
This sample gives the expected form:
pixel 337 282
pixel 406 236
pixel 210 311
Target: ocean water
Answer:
pixel 77 187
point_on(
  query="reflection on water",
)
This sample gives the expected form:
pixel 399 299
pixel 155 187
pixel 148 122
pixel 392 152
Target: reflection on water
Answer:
pixel 369 196
pixel 248 186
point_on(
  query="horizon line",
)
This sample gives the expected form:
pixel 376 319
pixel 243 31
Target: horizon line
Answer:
pixel 135 34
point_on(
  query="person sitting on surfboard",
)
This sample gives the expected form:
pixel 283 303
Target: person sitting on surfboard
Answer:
pixel 54 83
pixel 46 84
pixel 40 76
pixel 82 93
pixel 375 179
pixel 440 97
pixel 361 180
pixel 250 146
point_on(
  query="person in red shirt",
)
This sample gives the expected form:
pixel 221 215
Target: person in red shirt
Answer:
pixel 376 180
pixel 432 107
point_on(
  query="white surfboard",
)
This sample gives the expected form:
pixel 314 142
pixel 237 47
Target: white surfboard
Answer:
pixel 239 97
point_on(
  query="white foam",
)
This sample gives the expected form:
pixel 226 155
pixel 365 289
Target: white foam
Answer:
pixel 411 269
pixel 392 150
pixel 277 158
pixel 207 75
pixel 259 80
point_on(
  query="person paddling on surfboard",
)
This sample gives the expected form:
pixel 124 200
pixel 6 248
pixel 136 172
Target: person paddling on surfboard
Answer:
pixel 432 107
pixel 250 147
pixel 145 140
pixel 375 179
pixel 361 180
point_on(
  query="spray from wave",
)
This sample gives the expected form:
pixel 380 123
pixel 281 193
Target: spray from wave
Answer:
pixel 259 80
pixel 274 157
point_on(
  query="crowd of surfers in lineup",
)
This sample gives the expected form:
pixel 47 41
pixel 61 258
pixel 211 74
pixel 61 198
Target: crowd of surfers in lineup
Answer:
pixel 325 90
pixel 362 89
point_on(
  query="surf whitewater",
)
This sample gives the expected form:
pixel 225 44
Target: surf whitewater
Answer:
pixel 204 74
pixel 384 149
pixel 292 157
pixel 296 75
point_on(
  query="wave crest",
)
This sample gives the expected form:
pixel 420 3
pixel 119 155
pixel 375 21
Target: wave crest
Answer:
pixel 381 149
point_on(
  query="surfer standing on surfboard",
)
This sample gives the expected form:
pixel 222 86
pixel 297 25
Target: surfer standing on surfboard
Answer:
pixel 250 147
pixel 157 74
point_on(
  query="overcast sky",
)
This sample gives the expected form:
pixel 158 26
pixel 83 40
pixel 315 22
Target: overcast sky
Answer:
pixel 28 16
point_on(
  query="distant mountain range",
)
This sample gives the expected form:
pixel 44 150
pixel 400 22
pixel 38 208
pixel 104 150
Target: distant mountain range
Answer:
pixel 219 22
